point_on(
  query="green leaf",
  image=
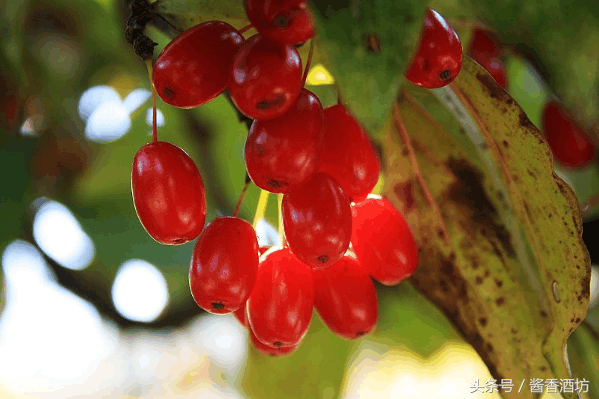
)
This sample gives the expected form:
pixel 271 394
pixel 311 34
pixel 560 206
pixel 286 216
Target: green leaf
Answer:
pixel 499 233
pixel 367 45
pixel 183 14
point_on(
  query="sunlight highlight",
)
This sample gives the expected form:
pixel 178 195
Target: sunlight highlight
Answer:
pixel 61 237
pixel 139 291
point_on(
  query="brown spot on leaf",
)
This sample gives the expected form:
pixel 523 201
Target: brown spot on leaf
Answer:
pixel 478 280
pixel 469 192
pixel 500 301
pixel 524 121
pixel 405 192
pixel 482 321
pixel 491 87
pixel 498 282
pixel 543 313
pixel 373 43
pixel 506 144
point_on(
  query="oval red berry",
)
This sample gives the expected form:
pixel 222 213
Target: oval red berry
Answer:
pixel 168 193
pixel 224 265
pixel 194 67
pixel 383 241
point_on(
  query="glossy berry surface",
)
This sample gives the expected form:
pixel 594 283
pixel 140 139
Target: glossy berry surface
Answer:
pixel 194 67
pixel 383 241
pixel 287 21
pixel 348 155
pixel 280 307
pixel 317 221
pixel 266 78
pixel 569 142
pixel 267 350
pixel 485 49
pixel 283 153
pixel 224 265
pixel 168 193
pixel 345 298
pixel 438 59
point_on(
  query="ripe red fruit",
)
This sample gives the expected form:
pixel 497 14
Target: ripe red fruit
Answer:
pixel 383 241
pixel 348 154
pixel 484 45
pixel 194 67
pixel 224 265
pixel 283 153
pixel 266 78
pixel 269 350
pixel 345 298
pixel 438 59
pixel 280 307
pixel 286 21
pixel 569 142
pixel 168 193
pixel 317 221
pixel 485 49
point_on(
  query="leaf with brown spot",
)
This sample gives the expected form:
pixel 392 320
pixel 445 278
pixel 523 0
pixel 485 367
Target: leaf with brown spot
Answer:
pixel 493 180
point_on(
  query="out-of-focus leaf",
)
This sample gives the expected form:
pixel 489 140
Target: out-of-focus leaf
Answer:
pixel 583 349
pixel 508 267
pixel 183 14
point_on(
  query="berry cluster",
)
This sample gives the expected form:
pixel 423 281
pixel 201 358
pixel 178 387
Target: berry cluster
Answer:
pixel 320 160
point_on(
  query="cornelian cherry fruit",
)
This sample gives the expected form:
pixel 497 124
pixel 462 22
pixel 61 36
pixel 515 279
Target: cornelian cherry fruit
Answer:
pixel 438 59
pixel 317 221
pixel 485 49
pixel 224 265
pixel 287 21
pixel 280 307
pixel 266 78
pixel 345 298
pixel 383 241
pixel 168 193
pixel 348 155
pixel 194 67
pixel 569 142
pixel 283 153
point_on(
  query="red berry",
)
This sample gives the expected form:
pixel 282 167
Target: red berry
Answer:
pixel 283 153
pixel 280 307
pixel 224 265
pixel 484 45
pixel 269 350
pixel 317 221
pixel 287 21
pixel 345 298
pixel 348 154
pixel 485 49
pixel 194 67
pixel 438 59
pixel 266 78
pixel 241 313
pixel 168 193
pixel 569 142
pixel 383 241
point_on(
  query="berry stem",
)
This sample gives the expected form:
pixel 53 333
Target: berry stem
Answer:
pixel 245 188
pixel 399 124
pixel 154 129
pixel 308 62
pixel 261 207
pixel 245 29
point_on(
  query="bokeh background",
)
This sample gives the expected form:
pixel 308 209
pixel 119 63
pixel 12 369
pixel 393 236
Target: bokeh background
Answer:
pixel 91 306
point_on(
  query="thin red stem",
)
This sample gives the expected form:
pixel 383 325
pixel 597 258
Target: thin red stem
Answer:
pixel 154 129
pixel 238 206
pixel 307 68
pixel 245 29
